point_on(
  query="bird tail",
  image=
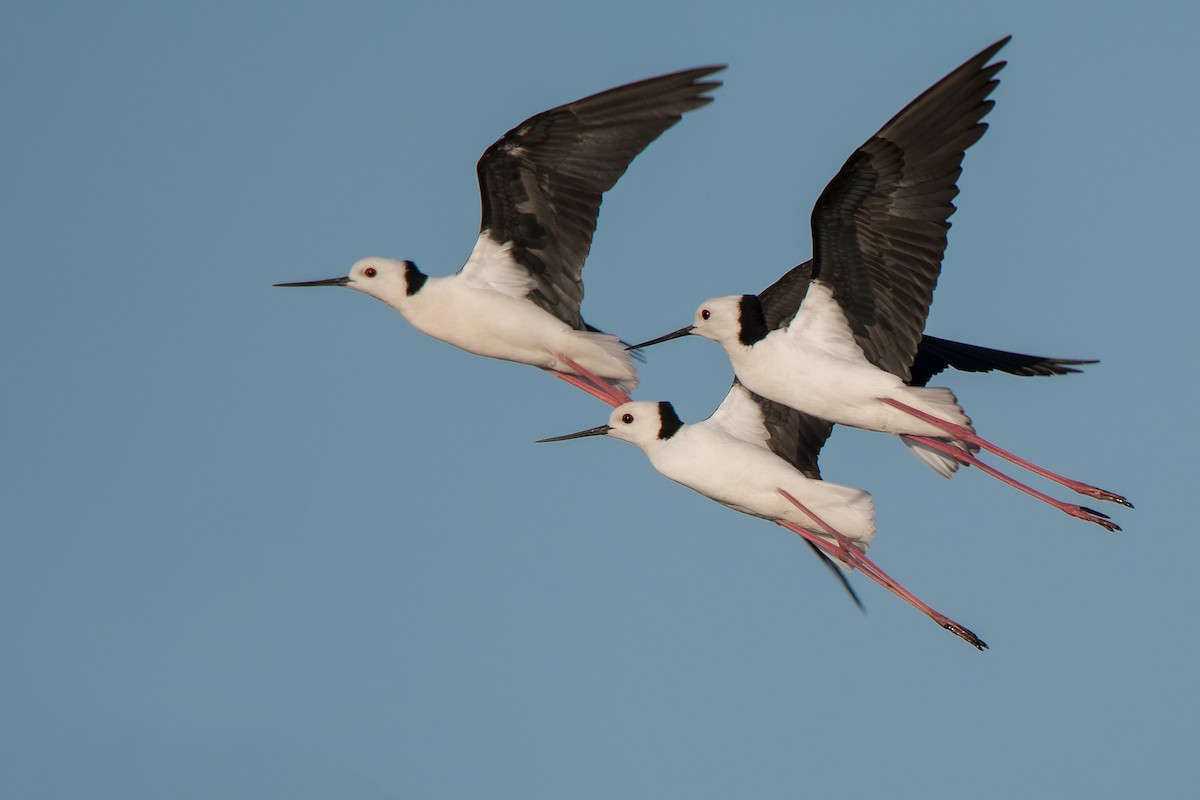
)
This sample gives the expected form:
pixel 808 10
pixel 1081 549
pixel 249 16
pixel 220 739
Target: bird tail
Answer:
pixel 939 462
pixel 849 511
pixel 941 402
pixel 613 363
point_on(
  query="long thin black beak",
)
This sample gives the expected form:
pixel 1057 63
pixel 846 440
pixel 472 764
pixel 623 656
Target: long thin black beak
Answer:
pixel 684 331
pixel 327 282
pixel 599 430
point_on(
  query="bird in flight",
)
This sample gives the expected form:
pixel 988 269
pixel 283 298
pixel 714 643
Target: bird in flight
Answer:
pixel 517 297
pixel 758 457
pixel 840 341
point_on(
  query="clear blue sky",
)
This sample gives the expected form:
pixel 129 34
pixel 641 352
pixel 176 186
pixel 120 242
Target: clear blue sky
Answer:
pixel 268 543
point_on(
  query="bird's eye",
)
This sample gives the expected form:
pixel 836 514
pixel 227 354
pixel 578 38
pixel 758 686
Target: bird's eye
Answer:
pixel 705 314
pixel 627 419
pixel 370 272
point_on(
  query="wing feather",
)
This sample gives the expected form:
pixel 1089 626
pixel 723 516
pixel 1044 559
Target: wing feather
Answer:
pixel 879 227
pixel 541 183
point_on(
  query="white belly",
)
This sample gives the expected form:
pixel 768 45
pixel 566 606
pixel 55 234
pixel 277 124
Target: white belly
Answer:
pixel 492 324
pixel 747 478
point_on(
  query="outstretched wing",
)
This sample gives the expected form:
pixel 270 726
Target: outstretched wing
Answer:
pixel 792 435
pixel 541 183
pixel 781 300
pixel 935 355
pixel 879 228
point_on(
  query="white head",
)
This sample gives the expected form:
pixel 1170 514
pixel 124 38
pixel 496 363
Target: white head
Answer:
pixel 719 318
pixel 730 321
pixel 641 422
pixel 384 278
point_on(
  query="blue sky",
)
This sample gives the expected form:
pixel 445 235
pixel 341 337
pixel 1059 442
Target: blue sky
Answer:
pixel 273 543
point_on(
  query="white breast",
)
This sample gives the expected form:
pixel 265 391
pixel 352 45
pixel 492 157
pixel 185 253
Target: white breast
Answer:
pixel 747 478
pixel 816 366
pixel 484 321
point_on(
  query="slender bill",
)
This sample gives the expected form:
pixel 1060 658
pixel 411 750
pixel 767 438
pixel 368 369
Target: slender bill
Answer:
pixel 342 281
pixel 599 430
pixel 672 335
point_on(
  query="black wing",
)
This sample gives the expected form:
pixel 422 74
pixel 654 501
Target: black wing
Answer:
pixel 541 183
pixel 935 355
pixel 879 228
pixel 795 437
pixel 837 573
pixel 792 435
pixel 782 299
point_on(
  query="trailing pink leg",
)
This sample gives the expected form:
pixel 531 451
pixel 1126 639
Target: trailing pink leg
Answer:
pixel 854 555
pixel 959 432
pixel 592 384
pixel 1082 512
pixel 847 551
pixel 586 385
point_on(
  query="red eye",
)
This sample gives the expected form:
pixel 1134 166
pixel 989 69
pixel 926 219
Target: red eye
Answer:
pixel 627 419
pixel 704 314
pixel 370 272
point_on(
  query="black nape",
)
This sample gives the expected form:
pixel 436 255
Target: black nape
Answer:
pixel 671 423
pixel 753 323
pixel 414 279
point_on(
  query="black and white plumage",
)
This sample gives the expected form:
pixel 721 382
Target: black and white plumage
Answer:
pixel 879 228
pixel 847 336
pixel 518 295
pixel 781 300
pixel 747 456
pixel 779 303
pixel 541 183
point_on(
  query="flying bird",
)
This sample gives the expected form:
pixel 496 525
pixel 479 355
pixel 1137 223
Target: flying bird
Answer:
pixel 517 297
pixel 755 456
pixel 934 355
pixel 843 340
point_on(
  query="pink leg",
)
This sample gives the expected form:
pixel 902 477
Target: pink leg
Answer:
pixel 1082 512
pixel 965 435
pixel 592 384
pixel 853 555
pixel 849 552
pixel 586 385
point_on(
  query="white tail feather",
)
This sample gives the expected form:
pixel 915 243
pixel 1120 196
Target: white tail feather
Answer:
pixel 941 402
pixel 940 463
pixel 616 365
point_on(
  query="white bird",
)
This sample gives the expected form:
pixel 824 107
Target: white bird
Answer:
pixel 517 296
pixel 756 456
pixel 840 344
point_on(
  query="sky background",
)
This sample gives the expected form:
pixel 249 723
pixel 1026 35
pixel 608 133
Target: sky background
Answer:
pixel 267 543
